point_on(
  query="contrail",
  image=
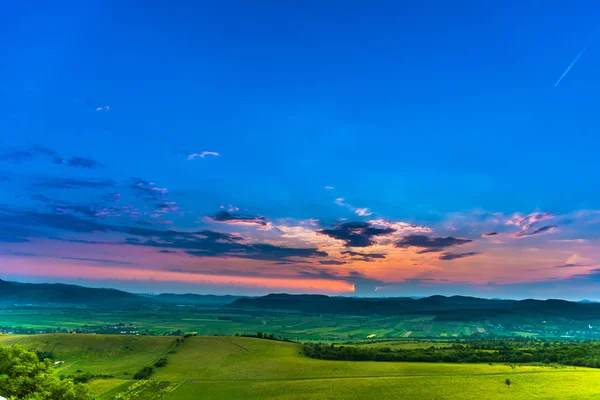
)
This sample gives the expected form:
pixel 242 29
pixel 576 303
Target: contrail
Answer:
pixel 571 65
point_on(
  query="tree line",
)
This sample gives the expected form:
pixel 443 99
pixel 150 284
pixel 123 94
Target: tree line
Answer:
pixel 585 354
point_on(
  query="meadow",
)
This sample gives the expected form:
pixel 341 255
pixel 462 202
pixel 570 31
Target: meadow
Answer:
pixel 251 368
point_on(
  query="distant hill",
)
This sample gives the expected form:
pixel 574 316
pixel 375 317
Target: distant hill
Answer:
pixel 454 308
pixel 199 299
pixel 15 293
pixel 12 293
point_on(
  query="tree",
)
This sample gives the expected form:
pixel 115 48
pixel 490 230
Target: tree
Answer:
pixel 143 373
pixel 161 362
pixel 507 382
pixel 24 377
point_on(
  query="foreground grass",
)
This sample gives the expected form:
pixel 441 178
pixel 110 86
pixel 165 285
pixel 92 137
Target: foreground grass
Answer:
pixel 248 368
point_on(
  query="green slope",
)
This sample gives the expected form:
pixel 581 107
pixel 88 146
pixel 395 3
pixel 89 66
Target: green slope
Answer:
pixel 248 368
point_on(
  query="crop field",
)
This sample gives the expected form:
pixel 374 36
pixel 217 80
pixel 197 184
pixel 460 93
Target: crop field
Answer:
pixel 250 368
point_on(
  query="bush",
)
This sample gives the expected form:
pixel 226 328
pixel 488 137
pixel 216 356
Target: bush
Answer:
pixel 42 355
pixel 161 362
pixel 85 378
pixel 143 373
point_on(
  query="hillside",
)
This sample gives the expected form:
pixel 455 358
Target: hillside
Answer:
pixel 14 293
pixel 198 299
pixel 235 368
pixel 58 294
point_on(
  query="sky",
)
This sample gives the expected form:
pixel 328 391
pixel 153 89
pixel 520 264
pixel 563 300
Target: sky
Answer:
pixel 346 148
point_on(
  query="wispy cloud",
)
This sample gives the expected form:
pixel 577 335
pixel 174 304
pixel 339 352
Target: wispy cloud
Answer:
pixel 16 156
pixel 489 234
pixel 361 212
pixel 229 218
pixel 527 221
pixel 103 108
pixel 69 183
pixel 147 190
pixel 82 162
pixel 98 260
pixel 329 187
pixel 202 155
pixel 21 156
pixel 543 229
pixel 571 65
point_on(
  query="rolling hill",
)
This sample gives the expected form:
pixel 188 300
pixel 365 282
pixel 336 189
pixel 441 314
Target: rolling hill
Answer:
pixel 56 294
pixel 248 368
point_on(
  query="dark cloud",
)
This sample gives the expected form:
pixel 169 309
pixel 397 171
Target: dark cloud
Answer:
pixel 167 251
pixel 430 243
pixel 355 255
pixel 431 250
pixel 98 260
pixel 199 243
pixel 69 183
pixel 489 234
pixel 82 162
pixel 227 217
pixel 573 265
pixel 167 206
pixel 16 234
pixel 41 151
pixel 356 234
pixel 19 253
pixel 263 251
pixel 63 207
pixel 267 252
pixel 332 262
pixel 454 256
pixel 547 228
pixel 44 151
pixel 16 156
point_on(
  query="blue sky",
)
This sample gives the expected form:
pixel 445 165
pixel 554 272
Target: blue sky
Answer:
pixel 440 115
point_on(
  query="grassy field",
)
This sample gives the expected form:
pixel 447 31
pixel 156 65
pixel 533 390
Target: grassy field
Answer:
pixel 248 368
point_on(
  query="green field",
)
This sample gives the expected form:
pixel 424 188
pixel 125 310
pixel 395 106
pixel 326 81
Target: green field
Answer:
pixel 249 368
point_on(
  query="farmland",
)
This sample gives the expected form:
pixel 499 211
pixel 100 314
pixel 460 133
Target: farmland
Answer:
pixel 206 321
pixel 237 367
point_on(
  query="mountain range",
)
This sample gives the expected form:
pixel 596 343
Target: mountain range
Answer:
pixel 453 308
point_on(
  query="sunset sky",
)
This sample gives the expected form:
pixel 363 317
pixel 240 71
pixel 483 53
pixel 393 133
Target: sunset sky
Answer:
pixel 348 148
